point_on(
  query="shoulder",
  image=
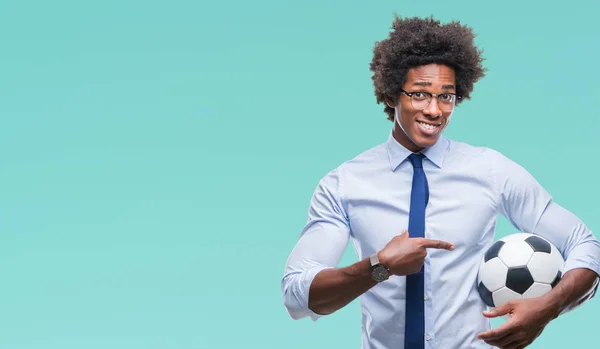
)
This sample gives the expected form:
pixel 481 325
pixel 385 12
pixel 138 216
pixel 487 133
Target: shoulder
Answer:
pixel 487 154
pixel 504 171
pixel 373 156
pixel 463 154
pixel 372 159
pixel 485 161
pixel 463 149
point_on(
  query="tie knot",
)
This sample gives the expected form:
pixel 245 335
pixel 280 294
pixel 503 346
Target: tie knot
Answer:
pixel 416 159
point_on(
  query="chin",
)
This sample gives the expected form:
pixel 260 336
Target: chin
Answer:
pixel 425 140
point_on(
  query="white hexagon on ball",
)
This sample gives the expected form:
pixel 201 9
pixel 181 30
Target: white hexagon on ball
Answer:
pixel 537 290
pixel 504 295
pixel 543 266
pixel 515 253
pixel 493 274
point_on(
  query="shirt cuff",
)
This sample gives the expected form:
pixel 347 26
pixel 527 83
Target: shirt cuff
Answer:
pixel 306 282
pixel 576 262
pixel 299 289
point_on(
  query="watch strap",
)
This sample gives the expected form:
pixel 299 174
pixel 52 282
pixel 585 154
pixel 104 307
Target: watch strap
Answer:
pixel 374 259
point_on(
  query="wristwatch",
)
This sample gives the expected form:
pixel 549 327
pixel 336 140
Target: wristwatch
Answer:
pixel 379 272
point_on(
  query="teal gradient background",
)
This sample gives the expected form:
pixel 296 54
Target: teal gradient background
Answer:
pixel 158 157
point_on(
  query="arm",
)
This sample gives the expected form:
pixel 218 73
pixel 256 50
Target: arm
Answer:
pixel 317 253
pixel 531 209
pixel 575 240
pixel 335 288
pixel 576 287
pixel 312 285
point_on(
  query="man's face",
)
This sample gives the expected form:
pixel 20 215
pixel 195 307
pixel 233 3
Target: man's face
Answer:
pixel 424 125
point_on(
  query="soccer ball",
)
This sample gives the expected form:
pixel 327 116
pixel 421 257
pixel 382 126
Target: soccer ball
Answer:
pixel 518 266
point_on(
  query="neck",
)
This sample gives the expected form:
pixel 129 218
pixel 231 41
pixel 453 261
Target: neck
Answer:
pixel 403 139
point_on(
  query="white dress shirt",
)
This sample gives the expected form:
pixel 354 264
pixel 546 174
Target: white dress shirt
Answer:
pixel 366 201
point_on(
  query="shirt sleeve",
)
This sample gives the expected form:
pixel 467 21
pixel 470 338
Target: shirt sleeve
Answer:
pixel 321 245
pixel 573 239
pixel 530 208
pixel 521 199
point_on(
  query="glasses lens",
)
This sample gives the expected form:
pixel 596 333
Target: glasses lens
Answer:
pixel 421 101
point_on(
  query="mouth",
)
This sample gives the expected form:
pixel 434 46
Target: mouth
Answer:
pixel 429 129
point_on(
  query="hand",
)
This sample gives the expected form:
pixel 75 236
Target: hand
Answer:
pixel 528 318
pixel 404 255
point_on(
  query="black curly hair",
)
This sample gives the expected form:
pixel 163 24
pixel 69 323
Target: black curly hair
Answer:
pixel 419 41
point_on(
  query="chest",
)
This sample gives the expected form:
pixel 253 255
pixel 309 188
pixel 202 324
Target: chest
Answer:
pixel 461 208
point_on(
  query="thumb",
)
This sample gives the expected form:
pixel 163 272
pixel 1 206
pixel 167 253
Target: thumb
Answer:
pixel 405 234
pixel 499 310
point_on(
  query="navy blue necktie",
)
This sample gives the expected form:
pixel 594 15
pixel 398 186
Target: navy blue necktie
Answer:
pixel 415 289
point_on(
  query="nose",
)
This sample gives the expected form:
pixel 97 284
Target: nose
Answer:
pixel 433 110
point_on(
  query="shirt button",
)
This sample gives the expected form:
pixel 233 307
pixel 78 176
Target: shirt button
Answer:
pixel 425 298
pixel 427 337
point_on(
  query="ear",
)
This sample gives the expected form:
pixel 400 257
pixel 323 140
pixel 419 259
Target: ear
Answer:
pixel 390 103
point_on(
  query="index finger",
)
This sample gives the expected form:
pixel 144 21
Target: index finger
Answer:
pixel 428 243
pixel 496 333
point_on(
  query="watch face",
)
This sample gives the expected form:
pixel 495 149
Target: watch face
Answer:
pixel 380 273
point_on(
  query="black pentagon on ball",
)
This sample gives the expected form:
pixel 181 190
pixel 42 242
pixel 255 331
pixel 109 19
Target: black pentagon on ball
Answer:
pixel 538 244
pixel 519 279
pixel 493 251
pixel 486 295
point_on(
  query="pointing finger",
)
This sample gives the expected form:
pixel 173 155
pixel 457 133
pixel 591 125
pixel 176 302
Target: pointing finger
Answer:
pixel 427 243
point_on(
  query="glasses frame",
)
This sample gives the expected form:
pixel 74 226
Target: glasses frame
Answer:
pixel 457 97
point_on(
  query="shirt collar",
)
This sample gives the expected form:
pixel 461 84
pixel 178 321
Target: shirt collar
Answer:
pixel 397 153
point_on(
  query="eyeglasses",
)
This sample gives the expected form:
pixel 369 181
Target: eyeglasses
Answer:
pixel 420 100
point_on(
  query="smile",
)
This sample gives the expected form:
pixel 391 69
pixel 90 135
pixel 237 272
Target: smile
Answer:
pixel 429 126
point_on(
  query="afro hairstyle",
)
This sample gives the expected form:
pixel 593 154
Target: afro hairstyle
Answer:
pixel 420 41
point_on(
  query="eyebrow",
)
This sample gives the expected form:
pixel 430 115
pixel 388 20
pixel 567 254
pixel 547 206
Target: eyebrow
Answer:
pixel 428 83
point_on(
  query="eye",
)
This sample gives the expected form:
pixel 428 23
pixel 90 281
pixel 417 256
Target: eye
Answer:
pixel 445 97
pixel 420 95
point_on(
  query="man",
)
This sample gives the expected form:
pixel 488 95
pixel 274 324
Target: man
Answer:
pixel 421 211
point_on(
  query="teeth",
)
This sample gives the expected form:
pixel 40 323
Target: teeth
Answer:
pixel 427 125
